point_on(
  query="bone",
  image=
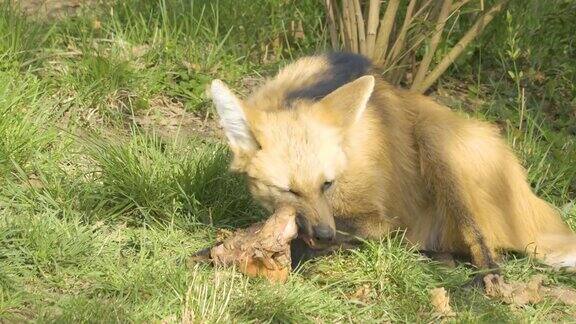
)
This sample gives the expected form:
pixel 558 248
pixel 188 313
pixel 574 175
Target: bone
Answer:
pixel 261 250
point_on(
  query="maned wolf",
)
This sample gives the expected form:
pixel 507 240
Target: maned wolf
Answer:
pixel 355 154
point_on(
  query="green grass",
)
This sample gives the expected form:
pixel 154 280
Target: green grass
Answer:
pixel 98 215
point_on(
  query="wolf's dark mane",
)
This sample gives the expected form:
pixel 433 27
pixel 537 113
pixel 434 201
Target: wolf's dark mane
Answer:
pixel 344 68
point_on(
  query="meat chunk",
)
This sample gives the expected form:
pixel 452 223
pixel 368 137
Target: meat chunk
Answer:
pixel 261 250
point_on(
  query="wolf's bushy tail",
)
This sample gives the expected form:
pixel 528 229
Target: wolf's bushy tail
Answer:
pixel 548 238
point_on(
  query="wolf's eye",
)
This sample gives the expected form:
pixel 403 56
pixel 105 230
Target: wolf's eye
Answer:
pixel 294 192
pixel 326 185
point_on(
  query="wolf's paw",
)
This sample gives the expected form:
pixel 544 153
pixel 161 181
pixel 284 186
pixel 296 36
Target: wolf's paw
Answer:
pixel 484 280
pixel 493 283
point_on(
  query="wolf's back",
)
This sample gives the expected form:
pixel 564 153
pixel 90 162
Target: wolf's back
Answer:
pixel 310 78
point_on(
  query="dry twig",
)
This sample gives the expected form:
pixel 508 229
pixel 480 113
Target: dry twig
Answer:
pixel 358 26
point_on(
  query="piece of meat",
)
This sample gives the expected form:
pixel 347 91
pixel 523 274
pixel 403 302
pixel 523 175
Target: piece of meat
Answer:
pixel 261 250
pixel 533 292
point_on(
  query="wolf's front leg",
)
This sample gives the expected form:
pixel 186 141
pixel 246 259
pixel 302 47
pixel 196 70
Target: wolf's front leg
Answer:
pixel 458 185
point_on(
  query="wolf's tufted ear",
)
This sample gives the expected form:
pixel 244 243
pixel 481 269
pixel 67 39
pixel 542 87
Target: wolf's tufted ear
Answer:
pixel 345 105
pixel 232 118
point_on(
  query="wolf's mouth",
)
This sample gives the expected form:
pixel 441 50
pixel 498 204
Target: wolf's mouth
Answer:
pixel 305 231
pixel 307 239
pixel 306 234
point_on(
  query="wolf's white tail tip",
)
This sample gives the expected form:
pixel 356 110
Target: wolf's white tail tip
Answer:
pixel 558 260
pixel 558 251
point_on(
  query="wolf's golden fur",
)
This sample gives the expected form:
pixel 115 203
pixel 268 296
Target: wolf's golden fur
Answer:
pixel 397 160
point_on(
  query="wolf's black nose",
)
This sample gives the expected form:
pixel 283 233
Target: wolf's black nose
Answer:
pixel 324 233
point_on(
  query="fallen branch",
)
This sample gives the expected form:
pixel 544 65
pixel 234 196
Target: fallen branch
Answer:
pixel 372 27
pixel 331 23
pixel 360 27
pixel 447 60
pixel 394 39
pixel 434 41
pixel 350 24
pixel 385 30
pixel 401 39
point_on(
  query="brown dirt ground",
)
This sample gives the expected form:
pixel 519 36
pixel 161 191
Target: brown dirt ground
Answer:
pixel 168 118
pixel 53 9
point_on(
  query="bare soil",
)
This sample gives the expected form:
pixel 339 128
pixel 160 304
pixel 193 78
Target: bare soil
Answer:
pixel 53 9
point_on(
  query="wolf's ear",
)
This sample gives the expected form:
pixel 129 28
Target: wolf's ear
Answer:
pixel 232 117
pixel 345 105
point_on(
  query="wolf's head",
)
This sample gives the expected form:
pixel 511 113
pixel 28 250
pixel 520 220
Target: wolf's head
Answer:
pixel 294 155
